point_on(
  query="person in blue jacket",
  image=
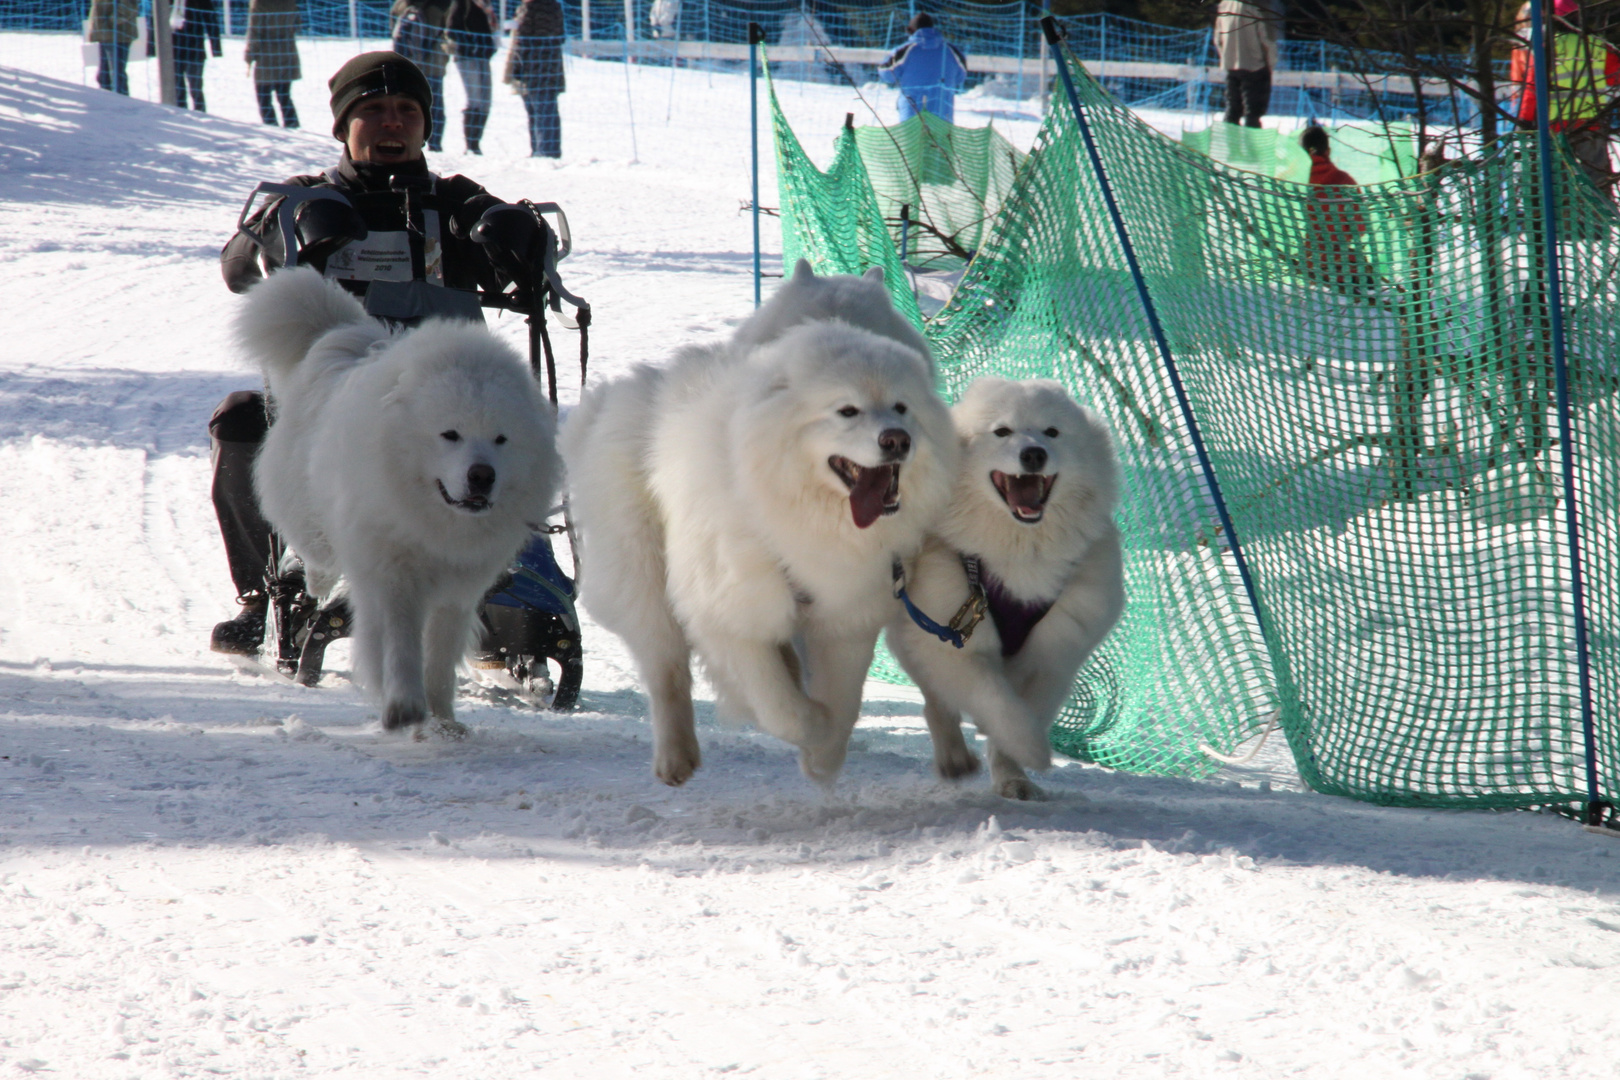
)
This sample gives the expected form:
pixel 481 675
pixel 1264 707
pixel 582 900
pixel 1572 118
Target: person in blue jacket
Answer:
pixel 928 69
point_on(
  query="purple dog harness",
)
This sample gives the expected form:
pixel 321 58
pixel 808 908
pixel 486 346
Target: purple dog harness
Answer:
pixel 1015 619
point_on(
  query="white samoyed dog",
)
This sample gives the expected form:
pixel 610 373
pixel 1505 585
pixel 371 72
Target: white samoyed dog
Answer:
pixel 410 466
pixel 1033 518
pixel 747 501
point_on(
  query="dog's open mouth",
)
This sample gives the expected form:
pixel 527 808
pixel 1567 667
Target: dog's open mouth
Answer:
pixel 874 490
pixel 1025 494
pixel 472 504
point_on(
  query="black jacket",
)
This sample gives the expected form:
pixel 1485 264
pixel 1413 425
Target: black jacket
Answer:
pixel 397 200
pixel 200 23
pixel 471 34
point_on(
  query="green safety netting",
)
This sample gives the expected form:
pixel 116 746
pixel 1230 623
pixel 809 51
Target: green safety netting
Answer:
pixel 1372 377
pixel 1371 155
pixel 952 182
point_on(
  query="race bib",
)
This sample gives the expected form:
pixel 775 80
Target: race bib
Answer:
pixel 381 256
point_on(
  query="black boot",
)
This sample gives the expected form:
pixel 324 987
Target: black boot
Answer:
pixel 235 431
pixel 329 624
pixel 472 128
pixel 243 635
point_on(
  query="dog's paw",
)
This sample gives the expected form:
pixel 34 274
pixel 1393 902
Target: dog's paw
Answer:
pixel 446 727
pixel 1023 739
pixel 822 762
pixel 1021 788
pixel 403 714
pixel 955 763
pixel 674 765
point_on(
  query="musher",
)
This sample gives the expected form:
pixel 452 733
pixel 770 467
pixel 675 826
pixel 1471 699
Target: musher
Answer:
pixel 400 239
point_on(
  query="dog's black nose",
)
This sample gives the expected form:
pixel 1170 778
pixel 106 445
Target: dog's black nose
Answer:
pixel 896 443
pixel 480 479
pixel 1032 458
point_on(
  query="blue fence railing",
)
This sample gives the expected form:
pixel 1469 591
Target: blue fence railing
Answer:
pixel 1008 29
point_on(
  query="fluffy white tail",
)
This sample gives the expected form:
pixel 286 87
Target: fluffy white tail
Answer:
pixel 287 313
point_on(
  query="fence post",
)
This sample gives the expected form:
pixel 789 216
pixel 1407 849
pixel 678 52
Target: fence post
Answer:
pixel 584 19
pixel 1023 46
pixel 629 21
pixel 1041 63
pixel 164 34
pixel 1540 49
pixel 1049 28
pixel 756 38
pixel 354 21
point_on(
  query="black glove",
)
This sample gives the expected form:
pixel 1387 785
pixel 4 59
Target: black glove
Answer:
pixel 323 226
pixel 518 243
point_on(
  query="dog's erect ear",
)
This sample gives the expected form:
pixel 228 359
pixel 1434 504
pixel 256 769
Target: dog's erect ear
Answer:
pixel 802 272
pixel 397 395
pixel 874 274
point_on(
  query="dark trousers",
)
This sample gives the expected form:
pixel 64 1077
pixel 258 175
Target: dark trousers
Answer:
pixel 188 71
pixel 436 114
pixel 475 76
pixel 1248 96
pixel 545 123
pixel 235 433
pixel 113 71
pixel 283 93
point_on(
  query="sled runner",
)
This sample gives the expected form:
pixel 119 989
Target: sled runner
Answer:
pixel 528 621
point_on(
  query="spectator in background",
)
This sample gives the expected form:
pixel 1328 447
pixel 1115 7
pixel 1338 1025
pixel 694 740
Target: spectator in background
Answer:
pixel 535 66
pixel 1334 220
pixel 1246 33
pixel 113 25
pixel 665 18
pixel 419 37
pixel 1585 73
pixel 193 22
pixel 471 31
pixel 272 55
pixel 928 70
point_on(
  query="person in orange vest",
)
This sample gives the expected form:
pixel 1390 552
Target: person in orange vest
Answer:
pixel 1582 86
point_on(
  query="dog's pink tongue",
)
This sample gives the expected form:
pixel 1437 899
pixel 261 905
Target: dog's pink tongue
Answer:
pixel 1025 492
pixel 866 497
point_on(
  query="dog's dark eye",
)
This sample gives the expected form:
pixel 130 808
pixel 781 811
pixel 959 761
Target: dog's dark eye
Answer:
pixel 450 436
pixel 500 440
pixel 849 410
pixel 900 407
pixel 1051 433
pixel 1002 432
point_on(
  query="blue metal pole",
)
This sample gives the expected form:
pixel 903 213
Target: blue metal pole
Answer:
pixel 1050 29
pixel 756 38
pixel 1566 438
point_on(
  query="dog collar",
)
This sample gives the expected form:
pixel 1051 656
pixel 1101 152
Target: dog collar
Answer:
pixel 968 616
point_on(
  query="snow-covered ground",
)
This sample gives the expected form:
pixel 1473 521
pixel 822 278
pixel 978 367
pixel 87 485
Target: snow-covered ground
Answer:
pixel 205 871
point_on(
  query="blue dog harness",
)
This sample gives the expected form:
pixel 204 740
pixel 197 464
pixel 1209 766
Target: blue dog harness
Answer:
pixel 968 616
